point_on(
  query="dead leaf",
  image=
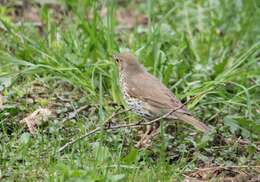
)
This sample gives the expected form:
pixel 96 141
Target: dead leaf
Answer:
pixel 103 11
pixel 189 179
pixel 37 91
pixel 34 119
pixel 31 14
pixel 1 100
pixel 128 18
pixel 232 173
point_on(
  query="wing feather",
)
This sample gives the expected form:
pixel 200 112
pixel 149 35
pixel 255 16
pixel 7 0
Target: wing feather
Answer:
pixel 152 91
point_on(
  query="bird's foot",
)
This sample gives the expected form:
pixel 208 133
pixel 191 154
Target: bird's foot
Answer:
pixel 147 137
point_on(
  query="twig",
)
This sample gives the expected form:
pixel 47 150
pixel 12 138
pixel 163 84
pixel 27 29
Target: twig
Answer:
pixel 191 175
pixel 80 138
pixel 139 123
pixel 242 142
pixel 219 167
pixel 116 114
pixel 75 112
pixel 91 132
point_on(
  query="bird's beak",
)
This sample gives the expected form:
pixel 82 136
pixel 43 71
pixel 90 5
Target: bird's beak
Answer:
pixel 114 56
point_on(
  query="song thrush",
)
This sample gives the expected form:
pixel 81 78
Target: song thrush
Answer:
pixel 147 96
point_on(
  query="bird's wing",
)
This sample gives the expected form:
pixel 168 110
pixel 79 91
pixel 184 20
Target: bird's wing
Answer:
pixel 151 90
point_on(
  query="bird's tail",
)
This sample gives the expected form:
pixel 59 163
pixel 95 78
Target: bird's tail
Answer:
pixel 192 121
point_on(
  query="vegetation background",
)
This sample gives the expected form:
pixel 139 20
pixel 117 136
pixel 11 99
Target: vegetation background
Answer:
pixel 56 66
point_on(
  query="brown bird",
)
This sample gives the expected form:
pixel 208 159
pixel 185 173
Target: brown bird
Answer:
pixel 147 96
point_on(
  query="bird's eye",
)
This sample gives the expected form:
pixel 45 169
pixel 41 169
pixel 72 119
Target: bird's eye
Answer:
pixel 116 58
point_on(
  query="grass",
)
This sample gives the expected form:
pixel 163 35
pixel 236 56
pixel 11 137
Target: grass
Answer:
pixel 208 51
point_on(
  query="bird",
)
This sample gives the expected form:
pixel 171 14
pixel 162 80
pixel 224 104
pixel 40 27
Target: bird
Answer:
pixel 148 97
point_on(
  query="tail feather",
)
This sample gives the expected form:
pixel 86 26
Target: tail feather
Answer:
pixel 192 121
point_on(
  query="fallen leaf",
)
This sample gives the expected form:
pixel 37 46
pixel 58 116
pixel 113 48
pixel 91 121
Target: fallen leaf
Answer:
pixel 1 100
pixel 34 119
pixel 129 19
pixel 232 173
pixel 31 14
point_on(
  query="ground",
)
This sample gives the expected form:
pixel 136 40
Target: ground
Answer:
pixel 58 81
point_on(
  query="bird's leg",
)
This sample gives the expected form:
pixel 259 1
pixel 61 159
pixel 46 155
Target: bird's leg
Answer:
pixel 144 136
pixel 154 131
pixel 151 131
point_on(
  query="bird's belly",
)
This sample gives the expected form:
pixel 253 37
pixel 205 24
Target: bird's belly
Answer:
pixel 137 106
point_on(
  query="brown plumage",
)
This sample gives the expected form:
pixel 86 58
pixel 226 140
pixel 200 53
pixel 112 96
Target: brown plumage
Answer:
pixel 147 96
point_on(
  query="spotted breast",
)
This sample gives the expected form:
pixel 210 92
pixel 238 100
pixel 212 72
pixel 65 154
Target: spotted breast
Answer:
pixel 134 104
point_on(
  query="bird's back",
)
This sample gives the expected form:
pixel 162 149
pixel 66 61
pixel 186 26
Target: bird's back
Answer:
pixel 150 90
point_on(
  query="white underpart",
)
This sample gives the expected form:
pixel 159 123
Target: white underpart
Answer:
pixel 134 104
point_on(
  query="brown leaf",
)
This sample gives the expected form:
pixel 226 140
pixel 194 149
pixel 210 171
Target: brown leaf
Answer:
pixel 33 119
pixel 129 19
pixel 1 100
pixel 190 179
pixel 232 173
pixel 31 14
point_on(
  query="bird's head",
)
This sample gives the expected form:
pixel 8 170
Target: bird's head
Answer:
pixel 127 62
